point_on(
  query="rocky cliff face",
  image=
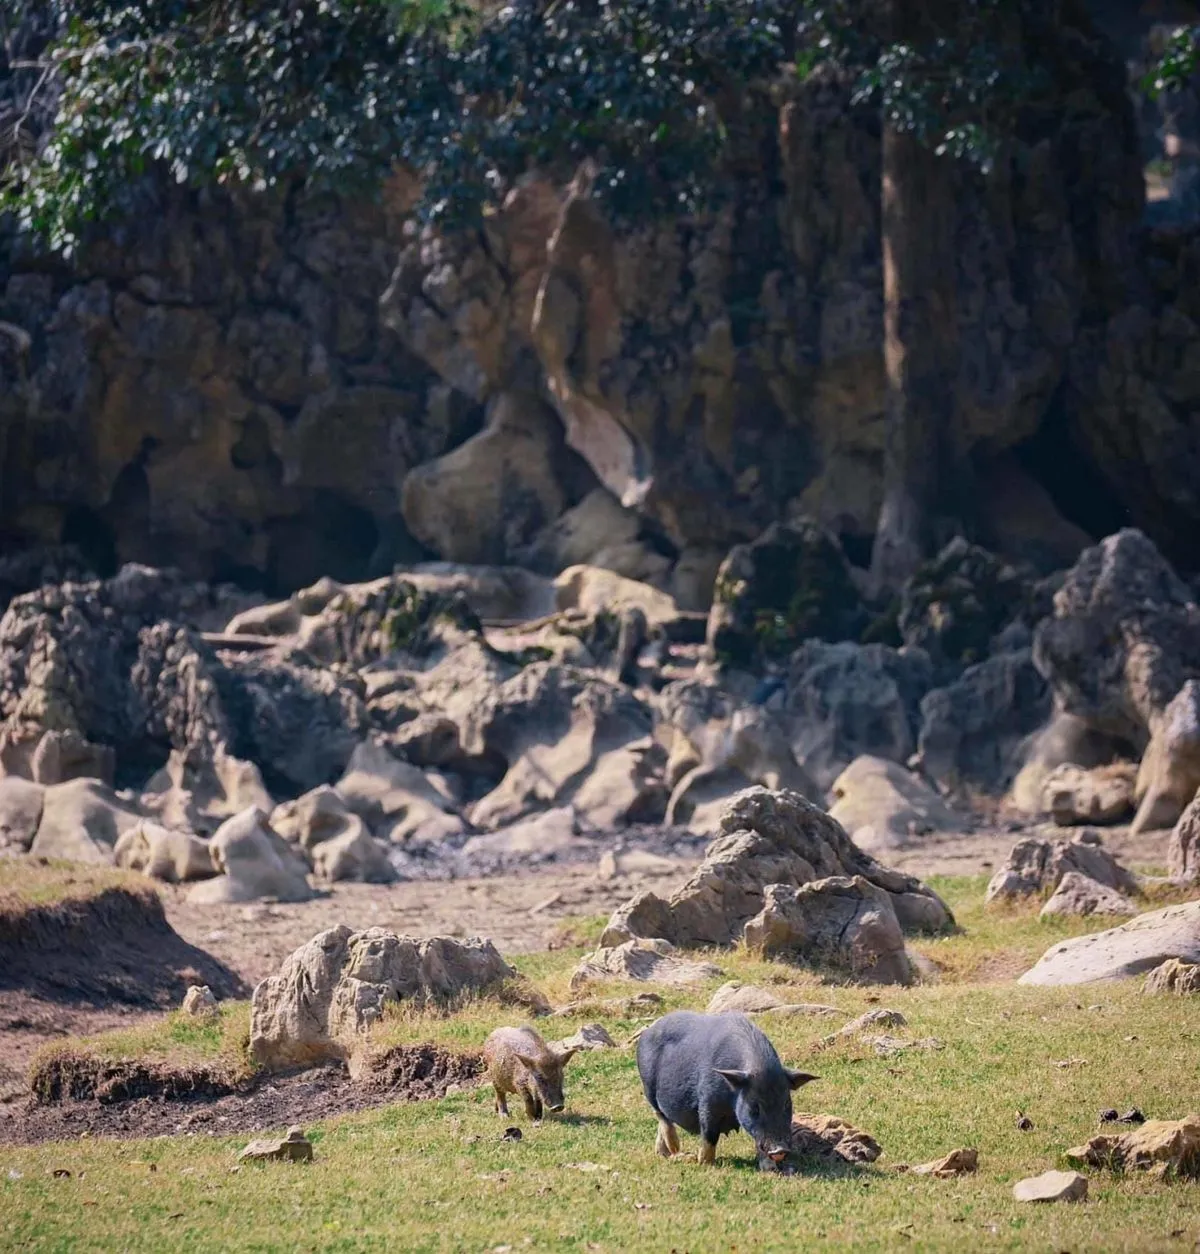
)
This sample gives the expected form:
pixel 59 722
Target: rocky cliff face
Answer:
pixel 218 386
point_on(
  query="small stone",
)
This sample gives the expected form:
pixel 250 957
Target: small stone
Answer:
pixel 590 1036
pixel 199 1002
pixel 1052 1186
pixel 959 1162
pixel 294 1147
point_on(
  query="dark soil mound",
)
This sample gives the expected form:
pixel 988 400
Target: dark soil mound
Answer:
pixel 417 1072
pixel 69 1076
pixel 113 946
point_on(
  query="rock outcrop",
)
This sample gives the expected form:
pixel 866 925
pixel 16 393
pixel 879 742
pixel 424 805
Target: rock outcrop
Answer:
pixel 1074 796
pixel 767 838
pixel 253 862
pixel 1080 895
pixel 1180 978
pixel 882 806
pixel 1038 866
pixel 1183 853
pixel 331 990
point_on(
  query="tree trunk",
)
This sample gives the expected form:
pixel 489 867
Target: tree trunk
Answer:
pixel 920 337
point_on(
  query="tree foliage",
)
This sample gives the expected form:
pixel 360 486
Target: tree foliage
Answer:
pixel 1179 60
pixel 337 92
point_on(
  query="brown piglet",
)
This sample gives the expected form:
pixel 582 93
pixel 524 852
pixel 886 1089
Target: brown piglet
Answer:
pixel 519 1061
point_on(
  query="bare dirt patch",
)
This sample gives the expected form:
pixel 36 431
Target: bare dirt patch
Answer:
pixel 133 1100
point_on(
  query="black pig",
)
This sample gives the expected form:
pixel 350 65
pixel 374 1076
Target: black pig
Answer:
pixel 711 1074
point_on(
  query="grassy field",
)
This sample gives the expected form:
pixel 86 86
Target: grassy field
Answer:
pixel 436 1175
pixel 26 883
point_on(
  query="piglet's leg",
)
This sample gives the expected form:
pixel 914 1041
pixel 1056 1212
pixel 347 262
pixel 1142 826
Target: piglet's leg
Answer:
pixel 666 1143
pixel 501 1104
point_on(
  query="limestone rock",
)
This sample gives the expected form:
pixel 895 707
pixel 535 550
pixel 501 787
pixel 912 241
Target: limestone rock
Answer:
pixel 842 701
pixel 845 923
pixel 1173 977
pixel 1169 775
pixel 21 803
pixel 1183 853
pixel 959 1162
pixel 649 961
pixel 554 726
pixel 330 991
pixel 589 1037
pixel 82 821
pixel 749 1000
pixel 1123 638
pixel 396 797
pixel 822 1135
pixel 295 1147
pixel 1169 1146
pixel 65 755
pixel 1073 795
pixel 336 840
pixel 200 791
pixel 792 584
pixel 165 853
pixel 1131 949
pixel 1052 1186
pixel 1038 866
pixel 545 836
pixel 490 497
pixel 253 863
pixel 883 806
pixel 767 838
pixel 882 1017
pixel 1082 896
pixel 199 1002
pixel 975 729
pixel 1065 739
pixel 593 590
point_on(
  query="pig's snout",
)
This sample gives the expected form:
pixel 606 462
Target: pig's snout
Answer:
pixel 777 1155
pixel 557 1109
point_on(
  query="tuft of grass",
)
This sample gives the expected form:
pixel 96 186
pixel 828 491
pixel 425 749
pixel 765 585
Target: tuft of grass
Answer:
pixel 28 883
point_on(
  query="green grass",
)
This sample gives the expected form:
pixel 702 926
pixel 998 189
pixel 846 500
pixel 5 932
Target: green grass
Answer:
pixel 435 1175
pixel 32 882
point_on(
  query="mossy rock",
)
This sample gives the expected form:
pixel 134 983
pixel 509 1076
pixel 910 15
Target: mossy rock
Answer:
pixel 790 585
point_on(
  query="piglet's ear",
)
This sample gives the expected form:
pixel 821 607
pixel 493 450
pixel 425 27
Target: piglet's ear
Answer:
pixel 566 1055
pixel 737 1078
pixel 525 1061
pixel 798 1079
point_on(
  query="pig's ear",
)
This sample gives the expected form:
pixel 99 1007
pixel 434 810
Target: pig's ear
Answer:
pixel 526 1061
pixel 798 1079
pixel 737 1078
pixel 565 1056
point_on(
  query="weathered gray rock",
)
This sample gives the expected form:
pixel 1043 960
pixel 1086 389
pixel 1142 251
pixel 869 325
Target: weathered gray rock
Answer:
pixel 199 791
pixel 841 922
pixel 846 700
pixel 592 590
pixel 591 1036
pixel 1082 896
pixel 253 863
pixel 1173 976
pixel 973 731
pixel 165 853
pixel 1052 1186
pixel 82 821
pixel 790 585
pixel 1131 949
pixel 65 755
pixel 335 840
pixel 396 798
pixel 1074 795
pixel 649 961
pixel 199 1002
pixel 331 990
pixel 295 1147
pixel 21 803
pixel 1123 638
pixel 1066 739
pixel 548 835
pixel 766 838
pixel 1169 775
pixel 1170 1147
pixel 883 806
pixel 1183 853
pixel 1037 866
pixel 748 999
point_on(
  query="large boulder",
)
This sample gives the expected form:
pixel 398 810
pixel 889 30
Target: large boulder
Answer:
pixel 554 728
pixel 1131 949
pixel 974 730
pixel 767 838
pixel 396 798
pixel 792 584
pixel 331 990
pixel 334 839
pixel 846 923
pixel 199 791
pixel 253 862
pixel 1183 853
pixel 165 853
pixel 1169 775
pixel 82 821
pixel 1123 639
pixel 591 590
pixel 845 700
pixel 1080 895
pixel 1037 867
pixel 1075 795
pixel 1065 740
pixel 647 961
pixel 21 803
pixel 883 806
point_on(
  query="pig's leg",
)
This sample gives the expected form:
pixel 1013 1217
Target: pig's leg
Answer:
pixel 666 1143
pixel 708 1152
pixel 501 1104
pixel 533 1106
